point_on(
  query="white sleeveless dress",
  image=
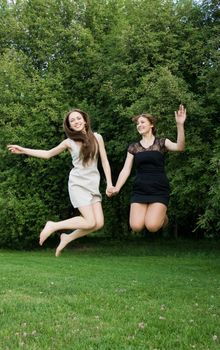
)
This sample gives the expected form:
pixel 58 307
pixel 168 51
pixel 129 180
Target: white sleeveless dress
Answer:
pixel 84 180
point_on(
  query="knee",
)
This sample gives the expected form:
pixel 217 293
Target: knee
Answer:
pixel 151 227
pixel 91 224
pixel 99 224
pixel 136 226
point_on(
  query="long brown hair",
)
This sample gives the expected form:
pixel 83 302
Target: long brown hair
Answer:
pixel 150 118
pixel 89 147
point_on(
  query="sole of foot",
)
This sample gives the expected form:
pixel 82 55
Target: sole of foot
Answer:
pixel 64 240
pixel 46 232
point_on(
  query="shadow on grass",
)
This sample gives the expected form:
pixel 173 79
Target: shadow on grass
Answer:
pixel 135 245
pixel 139 246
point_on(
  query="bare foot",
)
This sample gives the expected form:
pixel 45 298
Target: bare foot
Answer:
pixel 46 232
pixel 64 240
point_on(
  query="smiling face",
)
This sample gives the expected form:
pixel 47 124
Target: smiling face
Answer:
pixel 144 126
pixel 77 122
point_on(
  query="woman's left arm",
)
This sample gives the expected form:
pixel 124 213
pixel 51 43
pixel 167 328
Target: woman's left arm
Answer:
pixel 105 163
pixel 180 117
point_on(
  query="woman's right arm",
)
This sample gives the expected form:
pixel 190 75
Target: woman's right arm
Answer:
pixel 45 154
pixel 125 172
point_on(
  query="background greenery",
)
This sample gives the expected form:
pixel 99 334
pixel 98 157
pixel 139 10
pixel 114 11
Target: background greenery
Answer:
pixel 113 59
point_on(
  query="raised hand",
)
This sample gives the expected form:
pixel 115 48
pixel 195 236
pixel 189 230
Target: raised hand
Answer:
pixel 180 115
pixel 15 149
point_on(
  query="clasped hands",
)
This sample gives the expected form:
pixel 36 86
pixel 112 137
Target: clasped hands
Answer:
pixel 111 191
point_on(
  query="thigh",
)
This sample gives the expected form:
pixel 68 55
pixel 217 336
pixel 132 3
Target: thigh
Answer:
pixel 87 212
pixel 155 215
pixel 137 215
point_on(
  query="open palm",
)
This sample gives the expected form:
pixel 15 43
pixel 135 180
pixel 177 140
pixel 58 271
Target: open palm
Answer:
pixel 180 115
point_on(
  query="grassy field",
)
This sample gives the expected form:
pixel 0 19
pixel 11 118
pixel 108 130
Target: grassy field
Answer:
pixel 147 295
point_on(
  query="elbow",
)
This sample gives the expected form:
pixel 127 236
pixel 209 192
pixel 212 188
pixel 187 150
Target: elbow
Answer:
pixel 48 155
pixel 181 148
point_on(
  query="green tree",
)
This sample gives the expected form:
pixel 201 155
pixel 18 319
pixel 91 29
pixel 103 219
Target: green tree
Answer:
pixel 114 59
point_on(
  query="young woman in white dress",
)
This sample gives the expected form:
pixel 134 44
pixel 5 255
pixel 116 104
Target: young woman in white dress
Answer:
pixel 84 147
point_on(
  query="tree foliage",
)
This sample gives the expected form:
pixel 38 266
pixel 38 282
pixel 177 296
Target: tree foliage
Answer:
pixel 113 59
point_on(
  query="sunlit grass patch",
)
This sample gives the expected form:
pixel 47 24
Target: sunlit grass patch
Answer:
pixel 111 297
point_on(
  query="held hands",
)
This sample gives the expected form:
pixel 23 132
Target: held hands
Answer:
pixel 180 115
pixel 15 149
pixel 111 191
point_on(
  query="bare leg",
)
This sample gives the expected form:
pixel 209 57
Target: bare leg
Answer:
pixel 152 216
pixel 137 216
pixel 156 216
pixel 86 221
pixel 67 238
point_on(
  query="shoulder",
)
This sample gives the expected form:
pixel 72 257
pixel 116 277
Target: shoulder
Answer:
pixel 64 143
pixel 99 139
pixel 132 147
pixel 69 143
pixel 98 136
pixel 161 142
pixel 133 143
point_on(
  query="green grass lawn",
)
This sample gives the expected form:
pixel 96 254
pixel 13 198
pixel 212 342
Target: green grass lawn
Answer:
pixel 147 295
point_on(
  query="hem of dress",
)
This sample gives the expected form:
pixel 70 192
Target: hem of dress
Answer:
pixel 150 199
pixel 86 204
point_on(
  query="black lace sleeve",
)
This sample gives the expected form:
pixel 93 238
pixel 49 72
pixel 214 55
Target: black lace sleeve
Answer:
pixel 132 148
pixel 158 145
pixel 162 144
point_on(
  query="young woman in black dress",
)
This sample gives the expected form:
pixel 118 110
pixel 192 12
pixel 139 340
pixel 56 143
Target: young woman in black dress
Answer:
pixel 150 195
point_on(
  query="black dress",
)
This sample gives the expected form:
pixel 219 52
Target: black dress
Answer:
pixel 150 184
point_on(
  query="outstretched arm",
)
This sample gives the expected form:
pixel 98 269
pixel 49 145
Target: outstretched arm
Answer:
pixel 125 172
pixel 45 154
pixel 180 117
pixel 105 163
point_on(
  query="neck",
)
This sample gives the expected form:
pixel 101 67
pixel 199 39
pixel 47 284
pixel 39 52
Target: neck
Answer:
pixel 148 137
pixel 147 140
